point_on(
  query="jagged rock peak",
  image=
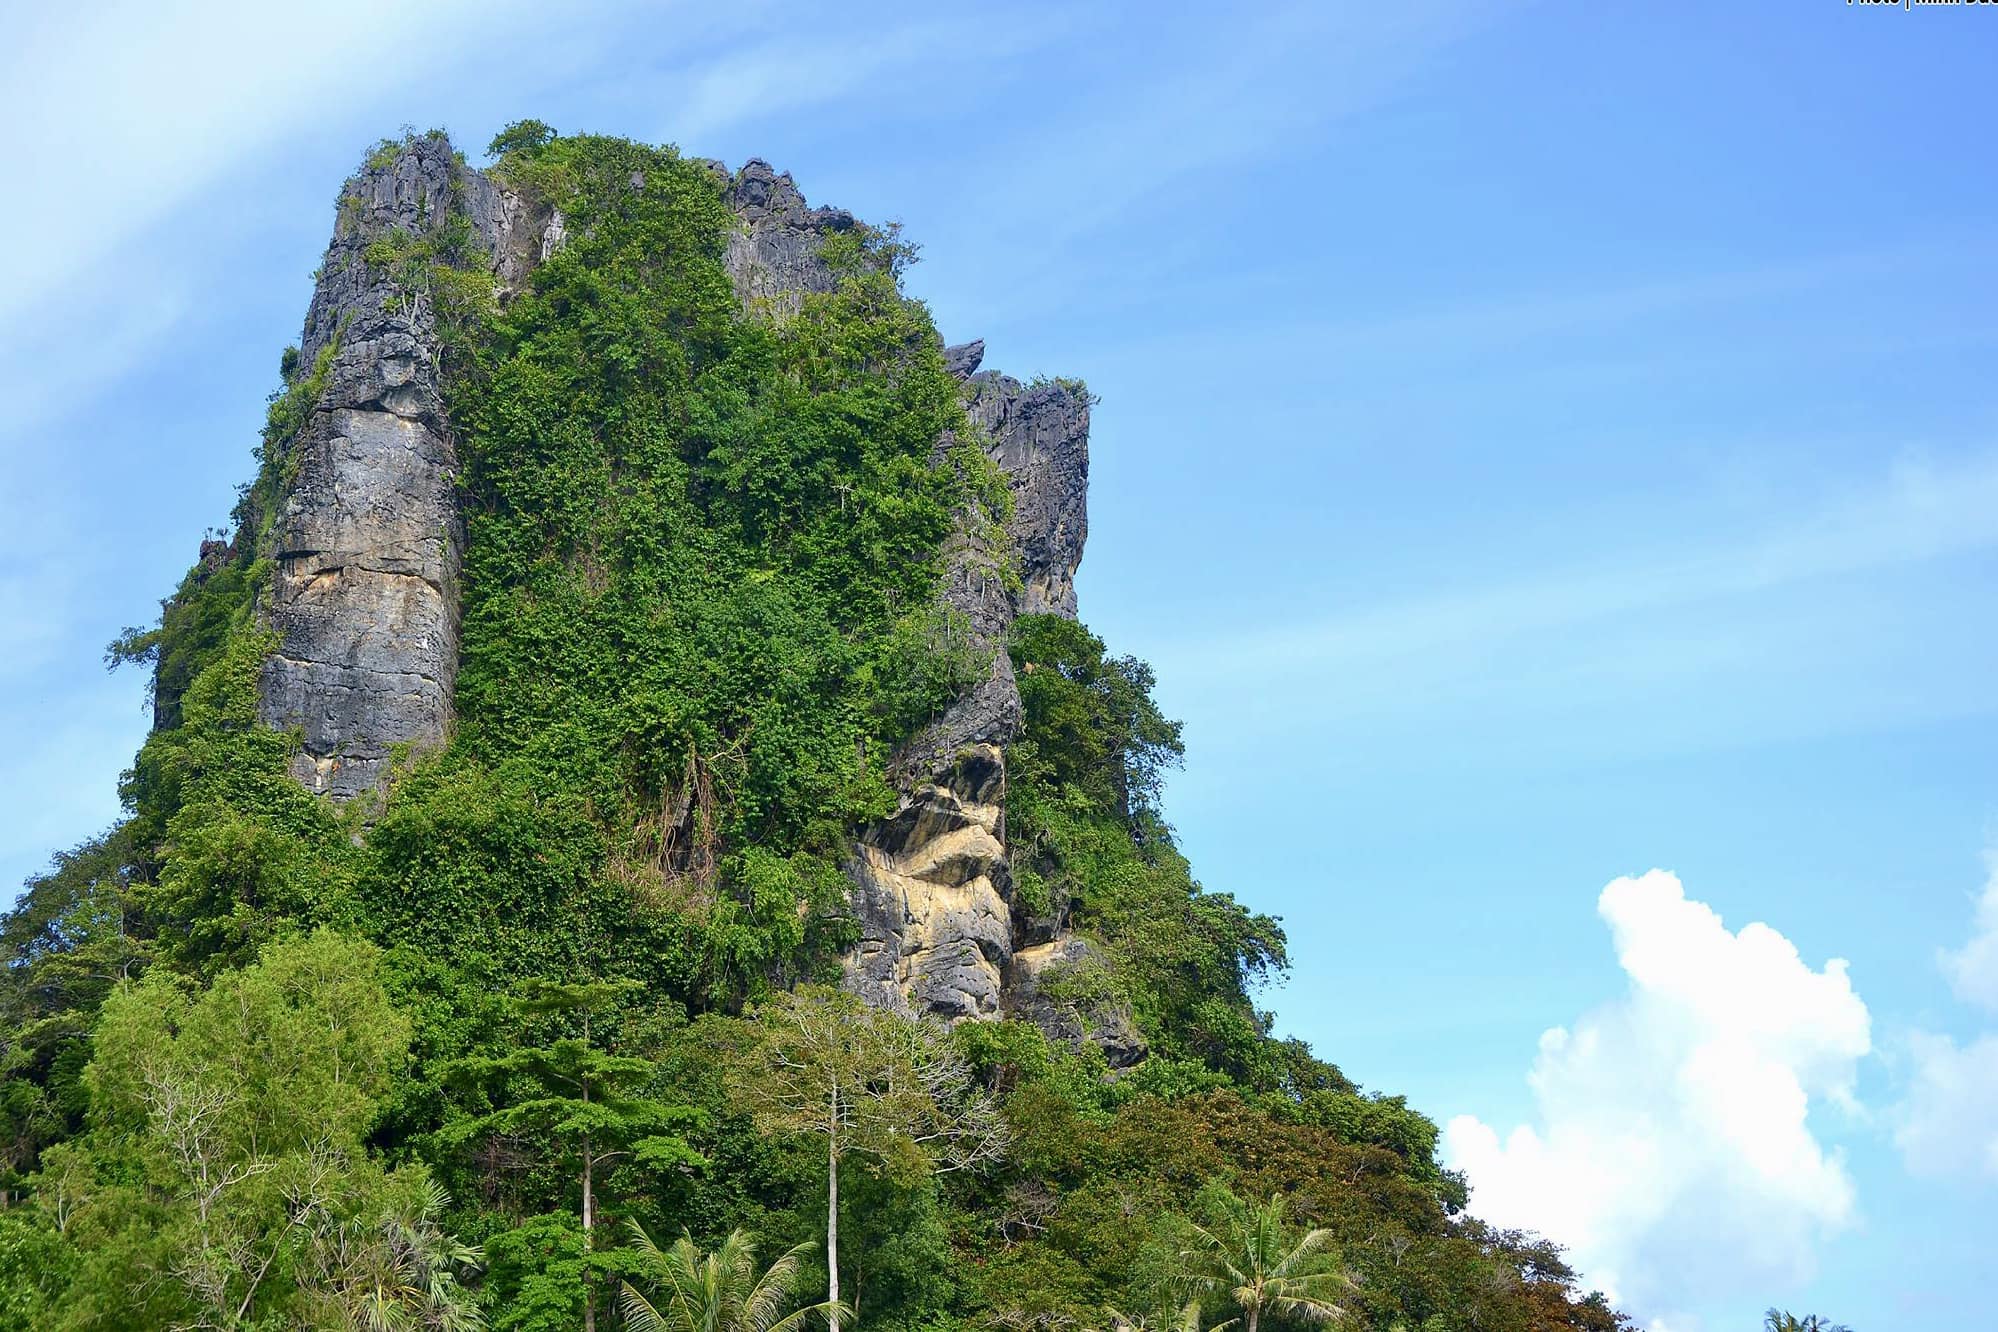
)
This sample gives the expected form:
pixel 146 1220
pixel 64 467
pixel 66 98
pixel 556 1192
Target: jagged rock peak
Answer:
pixel 774 257
pixel 759 192
pixel 964 359
pixel 1039 436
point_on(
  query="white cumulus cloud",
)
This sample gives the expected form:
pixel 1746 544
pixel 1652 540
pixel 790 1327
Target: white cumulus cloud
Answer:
pixel 1672 1150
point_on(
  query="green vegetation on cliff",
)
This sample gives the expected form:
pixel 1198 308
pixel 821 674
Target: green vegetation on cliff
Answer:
pixel 436 1062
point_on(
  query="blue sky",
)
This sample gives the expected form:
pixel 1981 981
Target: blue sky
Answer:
pixel 1538 444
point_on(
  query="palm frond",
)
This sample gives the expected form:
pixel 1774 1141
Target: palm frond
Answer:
pixel 762 1311
pixel 639 1315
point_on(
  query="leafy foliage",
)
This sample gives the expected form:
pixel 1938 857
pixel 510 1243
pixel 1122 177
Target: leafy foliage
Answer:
pixel 869 1084
pixel 580 1106
pixel 1092 849
pixel 224 1180
pixel 522 136
pixel 1780 1320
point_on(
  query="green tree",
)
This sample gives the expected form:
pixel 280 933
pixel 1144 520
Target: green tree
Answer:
pixel 536 1274
pixel 585 1102
pixel 65 945
pixel 36 1266
pixel 1186 1318
pixel 1097 729
pixel 520 136
pixel 1251 1257
pixel 875 1085
pixel 716 1292
pixel 225 1181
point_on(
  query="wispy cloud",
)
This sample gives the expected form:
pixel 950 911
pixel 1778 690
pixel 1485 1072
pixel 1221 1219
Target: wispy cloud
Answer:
pixel 1973 968
pixel 1243 94
pixel 1917 511
pixel 137 108
pixel 1947 1122
pixel 778 70
pixel 1199 94
pixel 1560 311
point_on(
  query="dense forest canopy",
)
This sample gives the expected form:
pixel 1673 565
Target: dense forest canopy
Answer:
pixel 526 1042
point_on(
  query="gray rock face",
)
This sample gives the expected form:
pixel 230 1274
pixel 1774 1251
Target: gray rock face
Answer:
pixel 774 256
pixel 1039 436
pixel 1065 987
pixel 964 359
pixel 518 234
pixel 367 535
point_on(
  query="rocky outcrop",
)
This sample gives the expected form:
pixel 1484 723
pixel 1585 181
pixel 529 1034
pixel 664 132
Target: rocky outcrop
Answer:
pixel 1067 988
pixel 366 539
pixel 1039 436
pixel 367 533
pixel 964 359
pixel 936 931
pixel 773 256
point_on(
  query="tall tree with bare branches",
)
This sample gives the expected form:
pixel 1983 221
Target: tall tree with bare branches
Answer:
pixel 874 1085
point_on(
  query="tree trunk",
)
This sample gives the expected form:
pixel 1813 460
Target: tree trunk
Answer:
pixel 589 1202
pixel 1255 1317
pixel 832 1212
pixel 589 1221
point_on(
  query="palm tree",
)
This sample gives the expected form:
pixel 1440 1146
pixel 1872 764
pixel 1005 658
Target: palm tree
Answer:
pixel 715 1292
pixel 1184 1319
pixel 1249 1258
pixel 1778 1320
pixel 397 1271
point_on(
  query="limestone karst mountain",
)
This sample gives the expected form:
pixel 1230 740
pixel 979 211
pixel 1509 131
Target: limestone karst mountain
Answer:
pixel 367 544
pixel 639 721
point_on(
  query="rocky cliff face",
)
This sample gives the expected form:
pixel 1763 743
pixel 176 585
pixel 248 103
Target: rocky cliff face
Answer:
pixel 1039 436
pixel 367 539
pixel 933 884
pixel 367 535
pixel 774 255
